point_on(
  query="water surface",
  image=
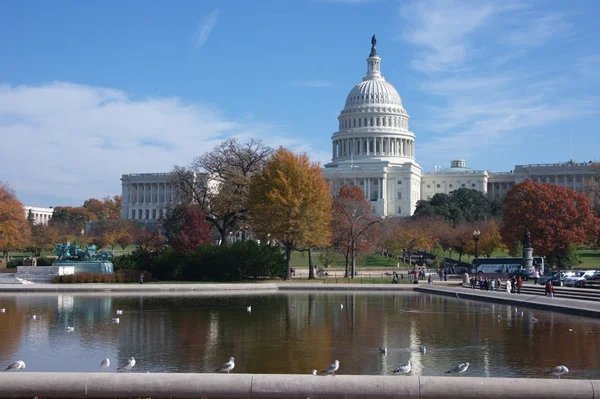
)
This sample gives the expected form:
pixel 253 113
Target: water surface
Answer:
pixel 294 333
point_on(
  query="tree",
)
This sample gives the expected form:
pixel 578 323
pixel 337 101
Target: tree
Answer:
pixel 290 202
pixel 97 208
pixel 352 219
pixel 74 217
pixel 555 216
pixel 564 258
pixel 490 239
pixel 193 231
pixel 462 205
pixel 43 238
pixel 14 228
pixel 219 181
pixel 113 207
pixel 409 237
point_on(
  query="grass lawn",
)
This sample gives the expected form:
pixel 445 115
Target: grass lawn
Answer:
pixel 589 259
pixel 300 260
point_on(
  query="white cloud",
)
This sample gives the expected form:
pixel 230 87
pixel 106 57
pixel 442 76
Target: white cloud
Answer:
pixel 539 30
pixel 205 27
pixel 64 142
pixel 442 29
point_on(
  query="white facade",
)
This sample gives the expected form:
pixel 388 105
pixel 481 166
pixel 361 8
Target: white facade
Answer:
pixel 374 148
pixel 40 215
pixel 145 196
pixel 450 179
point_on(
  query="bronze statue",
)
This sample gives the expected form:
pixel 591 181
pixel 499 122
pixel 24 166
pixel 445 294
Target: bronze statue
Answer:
pixel 526 239
pixel 373 41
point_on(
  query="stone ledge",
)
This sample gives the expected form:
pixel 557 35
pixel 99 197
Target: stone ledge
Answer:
pixel 264 386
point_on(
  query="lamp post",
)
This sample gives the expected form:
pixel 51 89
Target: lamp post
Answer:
pixel 476 234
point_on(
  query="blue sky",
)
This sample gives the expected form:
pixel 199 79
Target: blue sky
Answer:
pixel 92 90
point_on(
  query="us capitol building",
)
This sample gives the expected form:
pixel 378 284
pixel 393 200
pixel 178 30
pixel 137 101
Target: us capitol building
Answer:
pixel 374 149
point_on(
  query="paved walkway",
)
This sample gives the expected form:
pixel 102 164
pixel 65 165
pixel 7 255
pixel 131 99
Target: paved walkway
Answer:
pixel 564 305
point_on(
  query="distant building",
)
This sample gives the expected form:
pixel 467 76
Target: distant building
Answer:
pixel 374 149
pixel 40 215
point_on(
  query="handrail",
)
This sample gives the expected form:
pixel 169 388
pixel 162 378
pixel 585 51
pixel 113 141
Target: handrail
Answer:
pixel 258 386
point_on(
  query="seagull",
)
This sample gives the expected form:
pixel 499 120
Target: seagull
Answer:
pixel 70 329
pixel 293 307
pixel 383 350
pixel 534 319
pixel 332 368
pixel 226 367
pixel 2 310
pixel 105 364
pixel 404 369
pixel 521 313
pixel 341 306
pixel 499 317
pixel 459 368
pixel 18 365
pixel 115 320
pixel 127 366
pixel 422 349
pixel 558 370
pixel 570 330
pixel 119 311
pixel 249 309
pixel 314 372
pixel 33 317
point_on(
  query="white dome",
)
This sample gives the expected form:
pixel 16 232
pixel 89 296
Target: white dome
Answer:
pixel 373 91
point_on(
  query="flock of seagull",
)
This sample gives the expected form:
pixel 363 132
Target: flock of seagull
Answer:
pixel 331 369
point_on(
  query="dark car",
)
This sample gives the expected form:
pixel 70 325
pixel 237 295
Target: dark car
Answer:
pixel 524 273
pixel 555 277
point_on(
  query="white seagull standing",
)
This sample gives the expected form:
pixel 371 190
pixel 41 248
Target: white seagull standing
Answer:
pixel 129 365
pixel 332 368
pixel 383 350
pixel 70 329
pixel 341 306
pixel 33 317
pixel 119 311
pixel 405 368
pixel 249 309
pixel 18 365
pixel 558 371
pixel 422 349
pixel 116 320
pixel 459 368
pixel 314 372
pixel 226 366
pixel 105 364
pixel 2 310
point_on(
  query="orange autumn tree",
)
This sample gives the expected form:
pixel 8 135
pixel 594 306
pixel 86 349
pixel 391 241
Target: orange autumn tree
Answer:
pixel 353 219
pixel 290 203
pixel 14 228
pixel 556 217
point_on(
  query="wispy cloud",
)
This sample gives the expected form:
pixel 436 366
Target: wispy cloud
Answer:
pixel 475 55
pixel 311 83
pixel 205 27
pixel 539 30
pixel 87 137
pixel 589 66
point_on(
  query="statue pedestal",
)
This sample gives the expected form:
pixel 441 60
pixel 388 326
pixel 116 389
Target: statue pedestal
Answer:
pixel 528 258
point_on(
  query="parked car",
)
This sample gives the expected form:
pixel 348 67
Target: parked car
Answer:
pixel 593 280
pixel 577 278
pixel 555 277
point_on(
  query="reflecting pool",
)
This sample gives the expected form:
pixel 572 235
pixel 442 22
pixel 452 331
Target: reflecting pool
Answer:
pixel 294 333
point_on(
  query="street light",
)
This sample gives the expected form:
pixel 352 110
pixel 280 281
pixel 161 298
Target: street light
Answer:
pixel 476 234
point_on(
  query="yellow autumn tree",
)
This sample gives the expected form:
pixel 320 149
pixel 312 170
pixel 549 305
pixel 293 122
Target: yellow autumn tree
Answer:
pixel 14 229
pixel 290 203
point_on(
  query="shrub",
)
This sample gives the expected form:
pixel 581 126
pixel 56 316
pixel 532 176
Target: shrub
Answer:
pixel 14 263
pixel 129 276
pixel 44 261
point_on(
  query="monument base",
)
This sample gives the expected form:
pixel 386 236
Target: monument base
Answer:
pixel 90 266
pixel 528 259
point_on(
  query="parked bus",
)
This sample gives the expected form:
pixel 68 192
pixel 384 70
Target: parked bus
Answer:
pixel 503 265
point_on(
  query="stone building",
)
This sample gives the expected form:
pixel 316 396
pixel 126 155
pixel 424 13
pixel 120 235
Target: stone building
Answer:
pixel 40 215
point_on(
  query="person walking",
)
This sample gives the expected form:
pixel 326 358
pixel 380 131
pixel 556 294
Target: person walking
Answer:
pixel 508 286
pixel 549 289
pixel 536 276
pixel 519 284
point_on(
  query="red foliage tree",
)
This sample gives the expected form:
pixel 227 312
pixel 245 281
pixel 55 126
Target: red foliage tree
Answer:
pixel 555 216
pixel 193 232
pixel 352 220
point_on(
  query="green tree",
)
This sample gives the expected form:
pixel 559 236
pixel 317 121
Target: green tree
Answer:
pixel 565 258
pixel 290 203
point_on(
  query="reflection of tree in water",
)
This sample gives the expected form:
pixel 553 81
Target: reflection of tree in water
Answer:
pixel 11 328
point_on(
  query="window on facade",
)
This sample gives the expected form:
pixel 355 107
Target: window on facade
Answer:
pixel 371 121
pixel 472 184
pixel 359 122
pixel 399 210
pixel 399 181
pixel 462 185
pixel 153 213
pixel 399 195
pixel 429 186
pixel 139 213
pixel 133 213
pixel 438 186
pixel 450 185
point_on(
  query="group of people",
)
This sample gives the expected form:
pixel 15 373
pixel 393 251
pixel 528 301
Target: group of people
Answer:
pixel 513 284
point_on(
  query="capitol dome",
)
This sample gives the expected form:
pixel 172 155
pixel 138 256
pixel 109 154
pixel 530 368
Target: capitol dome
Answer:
pixel 373 123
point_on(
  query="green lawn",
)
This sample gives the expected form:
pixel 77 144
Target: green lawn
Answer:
pixel 589 259
pixel 300 260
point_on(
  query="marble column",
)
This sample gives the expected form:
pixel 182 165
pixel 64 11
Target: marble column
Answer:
pixel 384 187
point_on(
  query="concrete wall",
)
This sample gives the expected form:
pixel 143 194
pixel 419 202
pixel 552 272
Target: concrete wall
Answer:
pixel 257 386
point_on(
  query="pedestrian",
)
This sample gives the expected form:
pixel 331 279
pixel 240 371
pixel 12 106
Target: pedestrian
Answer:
pixel 473 282
pixel 549 289
pixel 508 286
pixel 429 280
pixel 519 284
pixel 536 276
pixel 492 285
pixel 498 284
pixel 142 278
pixel 441 274
pixel 513 284
pixel 445 275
